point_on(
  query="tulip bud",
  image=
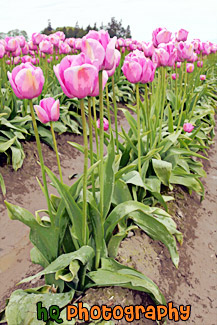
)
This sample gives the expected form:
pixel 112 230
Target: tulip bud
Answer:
pixel 188 127
pixel 105 124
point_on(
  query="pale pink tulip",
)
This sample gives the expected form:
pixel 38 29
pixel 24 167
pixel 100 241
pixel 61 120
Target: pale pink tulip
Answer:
pixel 48 110
pixel 182 35
pixel 161 35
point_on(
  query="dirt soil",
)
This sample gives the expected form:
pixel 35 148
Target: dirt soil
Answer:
pixel 194 282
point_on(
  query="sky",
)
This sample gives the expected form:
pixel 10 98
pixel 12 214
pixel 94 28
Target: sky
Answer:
pixel 199 17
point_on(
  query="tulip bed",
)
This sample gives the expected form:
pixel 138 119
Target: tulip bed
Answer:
pixel 169 88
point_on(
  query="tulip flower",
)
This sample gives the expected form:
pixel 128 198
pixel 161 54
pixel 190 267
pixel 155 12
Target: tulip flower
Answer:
pixel 105 124
pixel 185 51
pixel 48 110
pixel 11 44
pixel 138 68
pixel 21 40
pixel 25 49
pixel 46 47
pixel 182 35
pixel 161 35
pixel 190 67
pixel 37 38
pixel 100 49
pixel 148 49
pixel 61 35
pixel 175 76
pixel 188 127
pixel 116 63
pixel 164 56
pixel 95 91
pixel 2 51
pixel 199 64
pixel 54 39
pixel 178 64
pixel 202 77
pixel 26 81
pixel 77 75
pixel 64 48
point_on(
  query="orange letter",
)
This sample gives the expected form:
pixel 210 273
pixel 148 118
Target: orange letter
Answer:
pixel 121 312
pixel 137 311
pixel 128 311
pixel 69 314
pixel 106 313
pixel 150 312
pixel 83 310
pixel 159 314
pixel 187 312
pixel 92 314
pixel 173 310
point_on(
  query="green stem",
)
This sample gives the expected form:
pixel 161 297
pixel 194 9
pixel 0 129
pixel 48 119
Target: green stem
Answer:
pixel 56 151
pixel 95 127
pixel 101 144
pixel 148 117
pixel 84 221
pixel 176 88
pixel 116 114
pixel 183 99
pixel 163 100
pixel 91 143
pixel 138 127
pixel 41 161
pixel 108 108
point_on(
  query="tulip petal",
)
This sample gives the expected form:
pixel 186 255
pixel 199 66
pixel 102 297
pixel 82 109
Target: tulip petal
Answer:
pixel 65 90
pixel 42 114
pixel 55 111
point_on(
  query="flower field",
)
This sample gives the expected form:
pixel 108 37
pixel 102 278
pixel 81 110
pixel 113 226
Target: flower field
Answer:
pixel 165 90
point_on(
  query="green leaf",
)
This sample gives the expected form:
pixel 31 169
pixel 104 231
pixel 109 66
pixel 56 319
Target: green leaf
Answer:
pixel 7 144
pixel 2 185
pixel 163 170
pixel 113 273
pixel 83 254
pixel 121 192
pixel 21 308
pixel 17 157
pixel 134 178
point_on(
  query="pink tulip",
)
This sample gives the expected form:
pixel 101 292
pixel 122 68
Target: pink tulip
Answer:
pixel 165 55
pixel 95 91
pixel 37 38
pixel 2 51
pixel 26 58
pixel 138 68
pixel 46 47
pixel 54 39
pixel 116 63
pixel 202 77
pixel 48 110
pixel 161 35
pixel 70 42
pixel 105 124
pixel 25 49
pixel 182 35
pixel 148 49
pixel 178 64
pixel 174 76
pixel 185 51
pixel 17 60
pixel 64 48
pixel 11 44
pixel 17 52
pixel 193 58
pixel 77 75
pixel 100 49
pixel 188 127
pixel 32 46
pixel 199 64
pixel 190 67
pixel 26 81
pixel 21 40
pixel 61 35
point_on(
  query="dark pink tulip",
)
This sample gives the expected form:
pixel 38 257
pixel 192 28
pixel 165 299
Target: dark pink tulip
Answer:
pixel 182 35
pixel 34 61
pixel 185 51
pixel 148 49
pixel 46 47
pixel 2 51
pixel 161 35
pixel 175 76
pixel 188 127
pixel 11 44
pixel 100 49
pixel 202 77
pixel 105 124
pixel 48 110
pixel 190 67
pixel 26 81
pixel 138 68
pixel 199 64
pixel 77 75
pixel 178 64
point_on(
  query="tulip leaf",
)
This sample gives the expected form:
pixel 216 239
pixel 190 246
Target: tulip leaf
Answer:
pixel 163 170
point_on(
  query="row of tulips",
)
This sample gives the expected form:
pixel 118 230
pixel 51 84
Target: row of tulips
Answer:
pixel 77 238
